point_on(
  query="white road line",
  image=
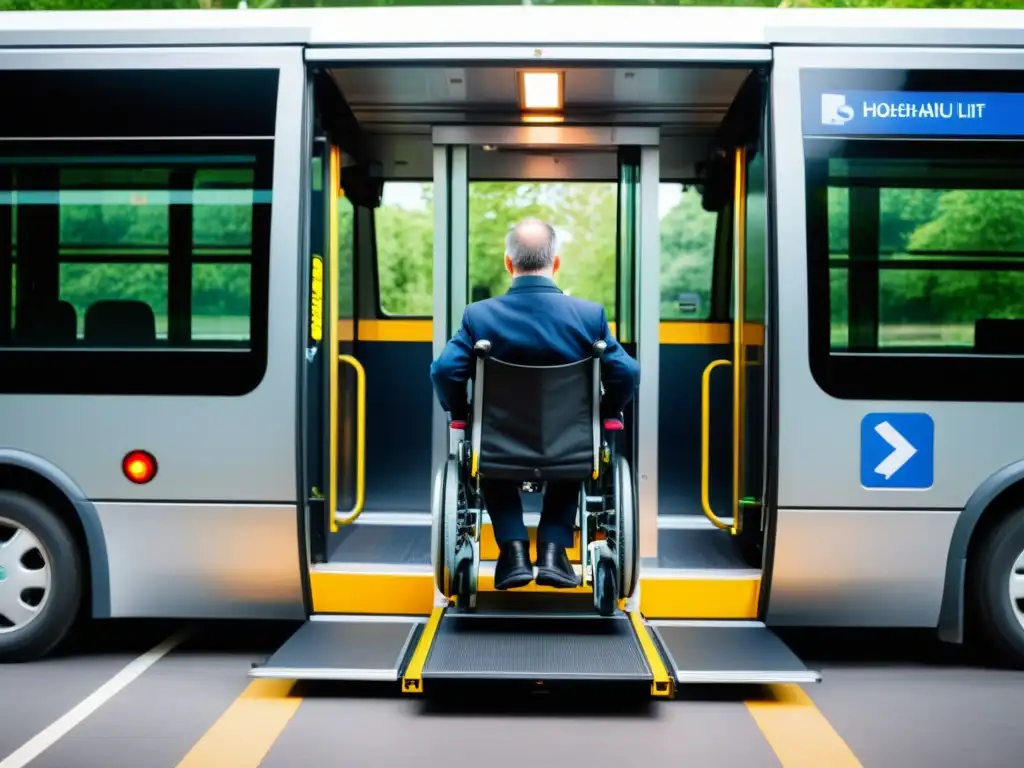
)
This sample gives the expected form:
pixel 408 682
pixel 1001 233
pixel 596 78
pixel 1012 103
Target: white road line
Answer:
pixel 59 728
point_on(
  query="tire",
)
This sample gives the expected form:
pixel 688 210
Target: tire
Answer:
pixel 605 583
pixel 1001 622
pixel 61 599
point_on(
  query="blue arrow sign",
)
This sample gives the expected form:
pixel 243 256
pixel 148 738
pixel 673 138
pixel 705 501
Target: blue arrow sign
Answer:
pixel 897 451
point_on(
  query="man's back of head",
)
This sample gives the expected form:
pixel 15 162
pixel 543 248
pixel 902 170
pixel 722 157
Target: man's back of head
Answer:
pixel 530 249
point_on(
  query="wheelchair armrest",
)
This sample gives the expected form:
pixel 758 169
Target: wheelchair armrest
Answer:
pixel 613 425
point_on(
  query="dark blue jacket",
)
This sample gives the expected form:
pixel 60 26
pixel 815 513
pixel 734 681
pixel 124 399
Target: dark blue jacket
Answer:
pixel 534 324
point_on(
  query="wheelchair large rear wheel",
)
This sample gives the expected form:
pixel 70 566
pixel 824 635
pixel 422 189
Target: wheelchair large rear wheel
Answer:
pixel 627 528
pixel 444 525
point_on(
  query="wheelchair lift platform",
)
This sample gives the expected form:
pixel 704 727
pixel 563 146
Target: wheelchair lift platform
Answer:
pixel 539 647
pixel 542 636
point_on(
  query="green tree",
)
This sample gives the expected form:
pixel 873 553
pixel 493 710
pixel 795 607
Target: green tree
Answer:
pixel 405 257
pixel 687 246
pixel 68 5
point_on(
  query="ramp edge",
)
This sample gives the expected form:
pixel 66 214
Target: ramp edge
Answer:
pixel 661 683
pixel 709 675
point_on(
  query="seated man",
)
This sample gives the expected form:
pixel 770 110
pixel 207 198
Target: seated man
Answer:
pixel 533 324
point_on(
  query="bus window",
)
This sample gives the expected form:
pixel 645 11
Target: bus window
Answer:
pixel 404 230
pixel 221 254
pixel 115 246
pixel 135 245
pixel 112 240
pixel 582 213
pixel 922 253
pixel 687 253
pixel 113 251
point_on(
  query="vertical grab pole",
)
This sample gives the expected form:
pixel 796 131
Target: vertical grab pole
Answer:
pixel 739 349
pixel 333 199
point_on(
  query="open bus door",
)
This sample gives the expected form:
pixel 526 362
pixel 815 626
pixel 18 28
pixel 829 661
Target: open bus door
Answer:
pixel 332 464
pixel 735 185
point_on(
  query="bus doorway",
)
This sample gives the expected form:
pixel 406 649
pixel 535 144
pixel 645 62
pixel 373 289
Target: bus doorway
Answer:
pixel 668 277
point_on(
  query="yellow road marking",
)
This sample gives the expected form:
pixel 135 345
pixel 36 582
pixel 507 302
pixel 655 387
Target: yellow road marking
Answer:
pixel 244 734
pixel 798 732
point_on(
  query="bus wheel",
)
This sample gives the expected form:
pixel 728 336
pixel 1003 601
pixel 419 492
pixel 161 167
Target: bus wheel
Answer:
pixel 40 578
pixel 999 588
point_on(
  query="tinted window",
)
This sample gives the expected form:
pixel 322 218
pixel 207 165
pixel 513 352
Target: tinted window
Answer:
pixel 916 268
pixel 135 266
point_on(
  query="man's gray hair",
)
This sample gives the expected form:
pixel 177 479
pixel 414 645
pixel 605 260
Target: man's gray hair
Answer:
pixel 531 254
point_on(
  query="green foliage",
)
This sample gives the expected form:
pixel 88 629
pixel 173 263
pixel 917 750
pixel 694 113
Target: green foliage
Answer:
pixel 953 228
pixel 113 240
pixel 69 5
pixel 584 214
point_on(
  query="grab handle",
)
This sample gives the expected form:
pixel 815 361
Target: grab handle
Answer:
pixel 705 445
pixel 348 517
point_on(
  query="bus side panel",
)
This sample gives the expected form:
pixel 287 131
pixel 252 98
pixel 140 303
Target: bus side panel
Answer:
pixel 216 532
pixel 846 554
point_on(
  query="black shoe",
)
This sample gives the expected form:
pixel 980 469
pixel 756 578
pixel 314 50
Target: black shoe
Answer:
pixel 513 568
pixel 554 568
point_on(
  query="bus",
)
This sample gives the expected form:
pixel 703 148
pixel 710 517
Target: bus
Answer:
pixel 231 242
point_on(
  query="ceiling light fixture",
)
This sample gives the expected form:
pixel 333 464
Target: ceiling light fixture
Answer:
pixel 541 91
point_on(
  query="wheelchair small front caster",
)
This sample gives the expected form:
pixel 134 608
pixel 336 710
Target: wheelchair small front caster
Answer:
pixel 605 586
pixel 465 586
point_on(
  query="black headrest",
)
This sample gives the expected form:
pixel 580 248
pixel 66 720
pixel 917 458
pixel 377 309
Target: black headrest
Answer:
pixel 125 323
pixel 993 336
pixel 49 323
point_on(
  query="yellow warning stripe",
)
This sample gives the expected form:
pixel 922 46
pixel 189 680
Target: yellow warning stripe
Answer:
pixel 412 594
pixel 661 684
pixel 244 734
pixel 695 597
pixel 798 732
pixel 679 332
pixel 412 681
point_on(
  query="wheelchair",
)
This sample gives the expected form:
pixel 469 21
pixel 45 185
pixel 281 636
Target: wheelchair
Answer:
pixel 533 424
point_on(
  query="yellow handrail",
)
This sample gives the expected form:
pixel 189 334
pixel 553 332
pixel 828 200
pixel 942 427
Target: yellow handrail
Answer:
pixel 739 348
pixel 357 509
pixel 705 445
pixel 333 199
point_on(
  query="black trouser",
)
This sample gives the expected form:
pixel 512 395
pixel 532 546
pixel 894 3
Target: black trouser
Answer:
pixel 557 517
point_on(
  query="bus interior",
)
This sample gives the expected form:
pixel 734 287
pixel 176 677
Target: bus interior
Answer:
pixel 654 177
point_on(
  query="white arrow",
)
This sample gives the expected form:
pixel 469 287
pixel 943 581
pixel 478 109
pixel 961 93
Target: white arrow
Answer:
pixel 902 451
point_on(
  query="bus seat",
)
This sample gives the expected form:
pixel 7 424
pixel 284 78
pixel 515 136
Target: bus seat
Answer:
pixel 125 323
pixel 997 336
pixel 48 323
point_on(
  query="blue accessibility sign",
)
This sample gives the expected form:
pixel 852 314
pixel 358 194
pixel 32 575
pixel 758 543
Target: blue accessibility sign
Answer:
pixel 897 451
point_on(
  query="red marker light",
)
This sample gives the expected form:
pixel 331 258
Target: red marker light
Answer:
pixel 139 467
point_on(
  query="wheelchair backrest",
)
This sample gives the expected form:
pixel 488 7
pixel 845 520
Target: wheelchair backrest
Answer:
pixel 536 422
